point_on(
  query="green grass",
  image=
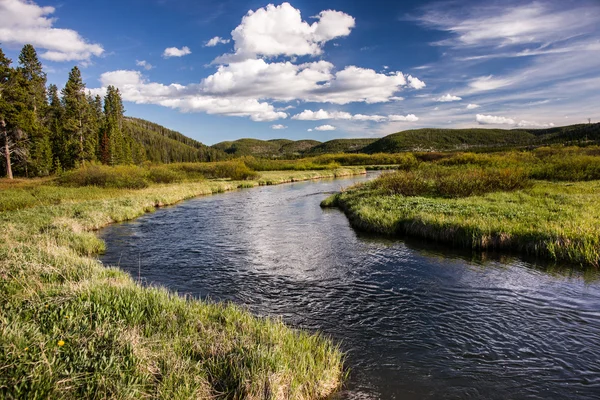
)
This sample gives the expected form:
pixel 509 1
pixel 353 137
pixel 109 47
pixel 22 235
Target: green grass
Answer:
pixel 490 202
pixel 72 328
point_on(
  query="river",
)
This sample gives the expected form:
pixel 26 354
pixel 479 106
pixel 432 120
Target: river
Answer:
pixel 417 322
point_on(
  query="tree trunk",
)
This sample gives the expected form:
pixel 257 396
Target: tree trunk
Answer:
pixel 9 173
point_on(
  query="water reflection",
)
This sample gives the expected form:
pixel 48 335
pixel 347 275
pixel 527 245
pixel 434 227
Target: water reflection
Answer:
pixel 418 321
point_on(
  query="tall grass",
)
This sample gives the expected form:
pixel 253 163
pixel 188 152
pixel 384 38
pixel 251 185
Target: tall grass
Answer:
pixel 451 182
pixel 506 201
pixel 71 328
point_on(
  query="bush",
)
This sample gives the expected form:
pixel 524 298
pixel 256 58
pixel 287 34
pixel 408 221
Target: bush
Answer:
pixel 163 175
pixel 451 182
pixel 235 170
pixel 119 177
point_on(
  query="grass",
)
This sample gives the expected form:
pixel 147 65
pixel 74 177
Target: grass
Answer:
pixel 72 328
pixel 490 202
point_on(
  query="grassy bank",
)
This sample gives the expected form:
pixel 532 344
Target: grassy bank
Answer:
pixel 71 328
pixel 488 202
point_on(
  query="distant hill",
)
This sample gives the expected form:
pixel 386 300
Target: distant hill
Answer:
pixel 340 146
pixel 462 139
pixel 449 139
pixel 164 145
pixel 428 139
pixel 274 148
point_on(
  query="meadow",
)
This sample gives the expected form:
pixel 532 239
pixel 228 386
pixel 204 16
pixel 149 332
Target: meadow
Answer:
pixel 72 328
pixel 543 203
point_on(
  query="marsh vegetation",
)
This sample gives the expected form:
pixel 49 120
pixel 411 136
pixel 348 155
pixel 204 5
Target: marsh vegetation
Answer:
pixel 543 203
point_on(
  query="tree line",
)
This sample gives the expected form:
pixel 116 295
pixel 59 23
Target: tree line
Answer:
pixel 44 131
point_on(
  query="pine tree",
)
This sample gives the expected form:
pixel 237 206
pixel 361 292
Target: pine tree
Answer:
pixel 33 79
pixel 76 126
pixel 113 114
pixel 5 72
pixel 54 117
pixel 15 118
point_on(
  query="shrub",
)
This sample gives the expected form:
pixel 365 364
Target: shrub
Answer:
pixel 120 177
pixel 163 175
pixel 451 182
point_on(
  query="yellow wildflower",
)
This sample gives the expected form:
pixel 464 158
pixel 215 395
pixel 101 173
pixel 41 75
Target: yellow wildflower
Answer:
pixel 61 343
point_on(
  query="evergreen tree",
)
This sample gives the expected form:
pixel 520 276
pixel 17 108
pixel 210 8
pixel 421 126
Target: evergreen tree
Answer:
pixel 54 117
pixel 5 72
pixel 14 118
pixel 33 79
pixel 113 114
pixel 76 121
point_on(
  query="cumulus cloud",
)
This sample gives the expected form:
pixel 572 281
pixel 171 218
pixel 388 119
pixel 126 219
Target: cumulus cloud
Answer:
pixel 175 52
pixel 278 126
pixel 136 89
pixel 279 30
pixel 315 82
pixel 23 22
pixel 252 83
pixel 415 83
pixel 144 64
pixel 216 41
pixel 325 128
pixel 403 118
pixel 534 124
pixel 473 106
pixel 309 130
pixel 308 115
pixel 447 98
pixel 493 120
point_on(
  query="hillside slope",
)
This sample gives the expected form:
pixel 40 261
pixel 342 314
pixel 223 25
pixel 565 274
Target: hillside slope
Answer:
pixel 449 139
pixel 274 148
pixel 340 146
pixel 164 145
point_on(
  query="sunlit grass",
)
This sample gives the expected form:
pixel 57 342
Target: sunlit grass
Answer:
pixel 72 328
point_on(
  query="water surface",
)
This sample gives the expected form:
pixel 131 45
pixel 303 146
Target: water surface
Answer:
pixel 417 322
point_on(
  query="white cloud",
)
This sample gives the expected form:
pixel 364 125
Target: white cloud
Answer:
pixel 485 83
pixel 447 98
pixel 532 23
pixel 493 120
pixel 308 115
pixel 144 64
pixel 136 89
pixel 23 22
pixel 278 126
pixel 415 83
pixel 534 124
pixel 309 130
pixel 175 52
pixel 216 40
pixel 314 82
pixel 249 85
pixel 279 30
pixel 325 128
pixel 407 118
pixel 473 106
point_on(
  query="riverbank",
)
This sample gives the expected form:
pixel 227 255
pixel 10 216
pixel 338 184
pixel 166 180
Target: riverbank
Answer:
pixel 558 221
pixel 72 328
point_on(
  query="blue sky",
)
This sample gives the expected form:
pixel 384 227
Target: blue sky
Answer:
pixel 323 69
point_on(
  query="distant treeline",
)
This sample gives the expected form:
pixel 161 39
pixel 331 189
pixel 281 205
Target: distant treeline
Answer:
pixel 43 131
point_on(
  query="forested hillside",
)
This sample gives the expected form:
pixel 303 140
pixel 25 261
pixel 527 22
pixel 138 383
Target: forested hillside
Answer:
pixel 164 145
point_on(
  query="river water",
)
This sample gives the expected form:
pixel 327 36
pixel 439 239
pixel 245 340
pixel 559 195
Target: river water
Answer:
pixel 417 322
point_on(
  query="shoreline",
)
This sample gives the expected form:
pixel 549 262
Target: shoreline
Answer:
pixel 99 331
pixel 497 221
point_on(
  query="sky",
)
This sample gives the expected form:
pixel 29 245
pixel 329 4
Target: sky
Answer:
pixel 323 69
